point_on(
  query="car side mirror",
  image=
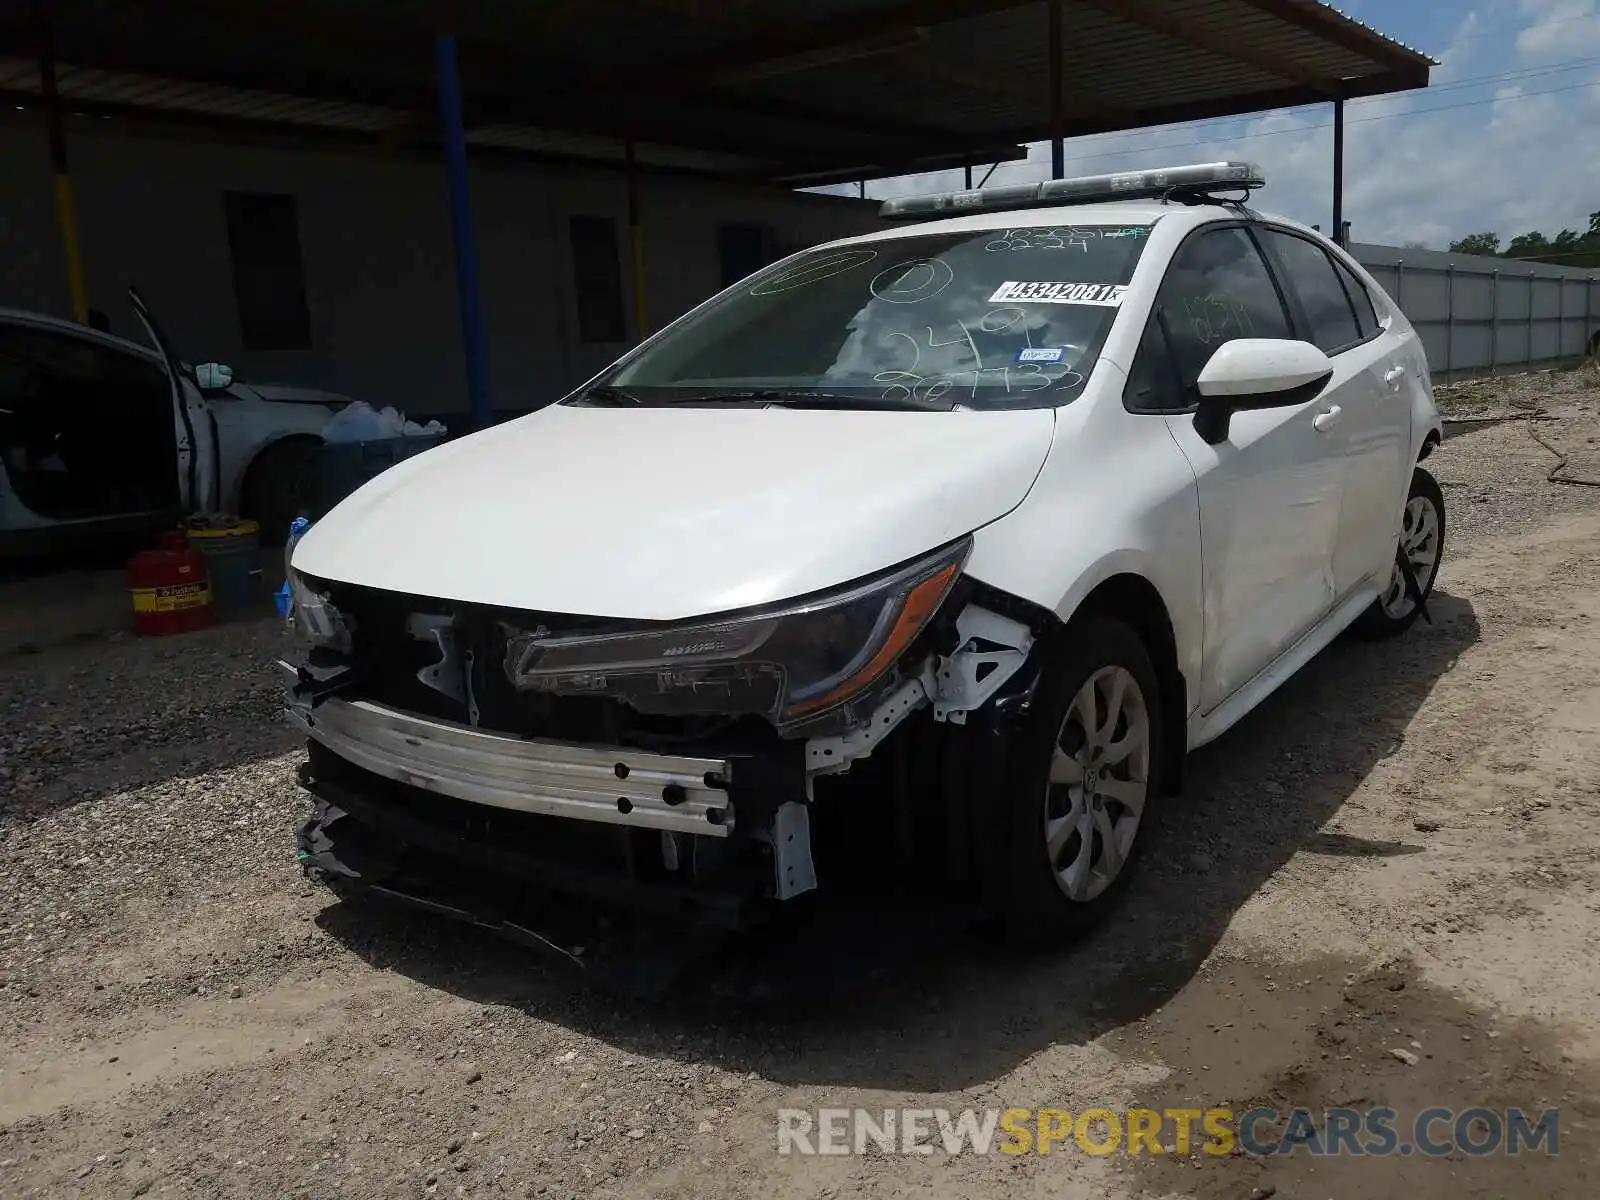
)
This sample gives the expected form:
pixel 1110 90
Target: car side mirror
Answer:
pixel 1250 373
pixel 213 377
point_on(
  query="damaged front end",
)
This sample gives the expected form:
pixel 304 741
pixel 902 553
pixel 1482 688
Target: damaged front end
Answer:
pixel 502 765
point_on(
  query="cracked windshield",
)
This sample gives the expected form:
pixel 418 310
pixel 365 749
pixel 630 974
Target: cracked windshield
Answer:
pixel 996 318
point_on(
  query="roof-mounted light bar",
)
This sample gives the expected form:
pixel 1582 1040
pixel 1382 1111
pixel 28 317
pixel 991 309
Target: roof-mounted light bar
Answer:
pixel 1128 185
pixel 954 204
pixel 1217 176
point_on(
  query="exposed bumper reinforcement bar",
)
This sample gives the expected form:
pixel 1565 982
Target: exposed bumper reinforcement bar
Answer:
pixel 605 784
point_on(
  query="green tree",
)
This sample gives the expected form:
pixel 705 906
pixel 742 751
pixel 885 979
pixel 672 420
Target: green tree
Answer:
pixel 1479 243
pixel 1594 224
pixel 1566 238
pixel 1526 245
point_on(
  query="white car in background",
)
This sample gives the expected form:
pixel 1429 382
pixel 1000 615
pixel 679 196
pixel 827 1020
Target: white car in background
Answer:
pixel 931 550
pixel 96 431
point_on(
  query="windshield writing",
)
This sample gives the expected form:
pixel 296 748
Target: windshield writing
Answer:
pixel 992 318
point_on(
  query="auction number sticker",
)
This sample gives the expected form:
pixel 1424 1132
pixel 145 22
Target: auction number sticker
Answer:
pixel 1107 295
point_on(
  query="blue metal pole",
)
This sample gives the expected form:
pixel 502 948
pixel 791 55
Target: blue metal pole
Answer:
pixel 473 344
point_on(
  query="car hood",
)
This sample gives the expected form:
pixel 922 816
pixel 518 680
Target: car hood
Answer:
pixel 665 513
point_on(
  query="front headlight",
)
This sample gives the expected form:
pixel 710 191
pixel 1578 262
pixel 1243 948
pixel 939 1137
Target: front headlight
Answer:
pixel 789 664
pixel 313 620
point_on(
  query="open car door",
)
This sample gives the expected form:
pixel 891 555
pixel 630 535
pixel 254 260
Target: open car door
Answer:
pixel 87 447
pixel 196 428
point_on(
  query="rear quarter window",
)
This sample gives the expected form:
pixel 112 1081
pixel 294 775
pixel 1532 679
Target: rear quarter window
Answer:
pixel 1360 299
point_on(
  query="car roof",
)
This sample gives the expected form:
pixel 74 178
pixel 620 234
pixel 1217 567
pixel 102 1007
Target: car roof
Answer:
pixel 1126 212
pixel 39 320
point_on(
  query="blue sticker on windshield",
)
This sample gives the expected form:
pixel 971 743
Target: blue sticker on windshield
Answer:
pixel 1040 354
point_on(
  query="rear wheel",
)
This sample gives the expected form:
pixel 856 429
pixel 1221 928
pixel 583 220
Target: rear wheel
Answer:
pixel 1422 541
pixel 280 485
pixel 1083 782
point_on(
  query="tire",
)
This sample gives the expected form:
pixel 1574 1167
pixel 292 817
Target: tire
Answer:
pixel 1423 528
pixel 1036 875
pixel 280 485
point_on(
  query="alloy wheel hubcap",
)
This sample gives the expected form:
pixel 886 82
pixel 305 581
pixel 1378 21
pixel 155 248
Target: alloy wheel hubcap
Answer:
pixel 1419 537
pixel 1099 775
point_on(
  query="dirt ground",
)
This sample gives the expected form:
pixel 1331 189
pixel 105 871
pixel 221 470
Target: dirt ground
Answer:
pixel 1399 853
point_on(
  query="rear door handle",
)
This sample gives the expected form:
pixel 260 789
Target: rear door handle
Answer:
pixel 1325 421
pixel 1394 375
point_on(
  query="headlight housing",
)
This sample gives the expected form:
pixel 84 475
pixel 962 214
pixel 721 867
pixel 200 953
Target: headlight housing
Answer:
pixel 313 619
pixel 790 664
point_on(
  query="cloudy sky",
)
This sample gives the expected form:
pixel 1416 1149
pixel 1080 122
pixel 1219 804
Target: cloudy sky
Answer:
pixel 1506 137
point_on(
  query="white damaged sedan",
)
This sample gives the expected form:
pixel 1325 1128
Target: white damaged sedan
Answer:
pixel 930 552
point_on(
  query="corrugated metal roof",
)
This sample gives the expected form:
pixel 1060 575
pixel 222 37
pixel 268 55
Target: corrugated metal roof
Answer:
pixel 749 86
pixel 94 87
pixel 102 92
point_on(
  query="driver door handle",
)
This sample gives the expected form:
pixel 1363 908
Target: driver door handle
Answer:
pixel 1325 421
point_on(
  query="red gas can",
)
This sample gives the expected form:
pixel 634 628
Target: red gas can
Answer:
pixel 171 592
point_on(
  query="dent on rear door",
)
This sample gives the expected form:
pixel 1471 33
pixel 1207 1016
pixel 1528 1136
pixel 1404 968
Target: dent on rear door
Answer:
pixel 1378 471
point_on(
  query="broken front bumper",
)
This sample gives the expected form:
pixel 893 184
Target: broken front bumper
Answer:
pixel 473 821
pixel 406 801
pixel 607 784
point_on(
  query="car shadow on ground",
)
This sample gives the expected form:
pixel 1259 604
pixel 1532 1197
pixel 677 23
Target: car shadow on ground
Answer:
pixel 965 1008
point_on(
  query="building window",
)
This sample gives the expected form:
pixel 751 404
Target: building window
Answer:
pixel 269 284
pixel 597 279
pixel 743 250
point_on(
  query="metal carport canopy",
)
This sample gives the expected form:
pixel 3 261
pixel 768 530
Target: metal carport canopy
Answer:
pixel 771 90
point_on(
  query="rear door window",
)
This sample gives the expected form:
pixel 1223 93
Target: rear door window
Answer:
pixel 1310 272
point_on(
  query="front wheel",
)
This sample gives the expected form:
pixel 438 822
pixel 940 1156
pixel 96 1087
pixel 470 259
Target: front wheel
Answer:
pixel 1422 542
pixel 1085 774
pixel 281 485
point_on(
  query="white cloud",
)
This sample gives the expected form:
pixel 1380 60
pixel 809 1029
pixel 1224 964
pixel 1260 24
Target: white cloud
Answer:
pixel 1486 152
pixel 1464 49
pixel 1558 29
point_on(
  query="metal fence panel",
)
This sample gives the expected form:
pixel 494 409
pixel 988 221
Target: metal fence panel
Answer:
pixel 1481 316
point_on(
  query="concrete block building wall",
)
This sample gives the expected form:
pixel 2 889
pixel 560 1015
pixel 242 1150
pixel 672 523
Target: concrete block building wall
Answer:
pixel 375 248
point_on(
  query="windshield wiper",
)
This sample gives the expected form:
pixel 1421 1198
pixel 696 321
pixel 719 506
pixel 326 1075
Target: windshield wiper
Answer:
pixel 813 399
pixel 611 397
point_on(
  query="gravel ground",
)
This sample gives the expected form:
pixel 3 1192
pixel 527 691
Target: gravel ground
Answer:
pixel 1495 481
pixel 1375 863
